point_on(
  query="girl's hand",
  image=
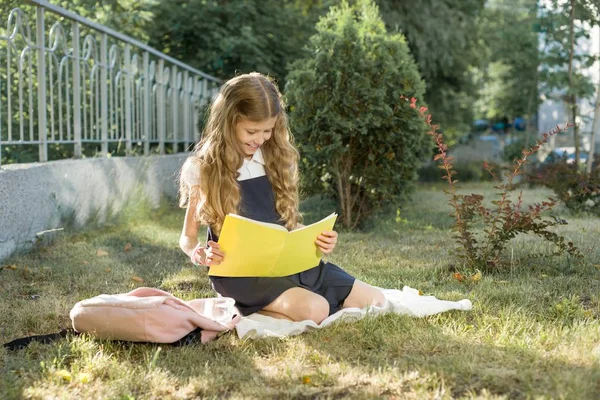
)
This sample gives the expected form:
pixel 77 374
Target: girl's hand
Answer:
pixel 213 255
pixel 326 241
pixel 208 256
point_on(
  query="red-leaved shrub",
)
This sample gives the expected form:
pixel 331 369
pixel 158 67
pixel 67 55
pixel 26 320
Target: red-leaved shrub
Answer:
pixel 501 222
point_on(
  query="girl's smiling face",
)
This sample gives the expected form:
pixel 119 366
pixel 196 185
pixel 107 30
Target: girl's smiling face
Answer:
pixel 252 135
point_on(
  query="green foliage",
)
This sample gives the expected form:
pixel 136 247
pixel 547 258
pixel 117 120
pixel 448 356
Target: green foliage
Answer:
pixel 509 77
pixel 563 25
pixel 554 24
pixel 444 37
pixel 130 17
pixel 358 140
pixel 223 38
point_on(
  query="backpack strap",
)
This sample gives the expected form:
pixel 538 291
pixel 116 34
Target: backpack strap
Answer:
pixel 194 336
pixel 21 343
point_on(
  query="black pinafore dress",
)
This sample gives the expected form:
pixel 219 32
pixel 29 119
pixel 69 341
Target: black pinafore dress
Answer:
pixel 252 294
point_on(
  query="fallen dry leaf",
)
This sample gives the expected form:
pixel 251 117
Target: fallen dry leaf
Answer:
pixel 458 276
pixel 137 279
pixel 101 253
pixel 86 263
pixel 107 269
pixel 128 247
pixel 10 266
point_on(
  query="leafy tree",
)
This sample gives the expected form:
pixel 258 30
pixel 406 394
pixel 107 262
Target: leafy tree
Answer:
pixel 509 79
pixel 223 37
pixel 359 141
pixel 130 17
pixel 445 39
pixel 563 25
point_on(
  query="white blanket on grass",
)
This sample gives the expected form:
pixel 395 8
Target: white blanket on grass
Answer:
pixel 406 302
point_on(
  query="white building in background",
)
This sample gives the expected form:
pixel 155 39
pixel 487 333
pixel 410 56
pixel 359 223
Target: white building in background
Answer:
pixel 553 111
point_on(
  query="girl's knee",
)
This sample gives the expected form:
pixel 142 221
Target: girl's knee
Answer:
pixel 300 305
pixel 316 309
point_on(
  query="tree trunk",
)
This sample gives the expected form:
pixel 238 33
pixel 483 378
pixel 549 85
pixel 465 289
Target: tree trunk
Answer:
pixel 528 118
pixel 341 200
pixel 344 192
pixel 572 101
pixel 595 129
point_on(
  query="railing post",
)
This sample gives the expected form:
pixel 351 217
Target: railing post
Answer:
pixel 186 108
pixel 1 123
pixel 104 92
pixel 146 102
pixel 41 75
pixel 204 100
pixel 174 107
pixel 160 105
pixel 197 106
pixel 77 153
pixel 128 86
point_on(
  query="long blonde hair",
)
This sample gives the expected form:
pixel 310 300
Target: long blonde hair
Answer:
pixel 219 155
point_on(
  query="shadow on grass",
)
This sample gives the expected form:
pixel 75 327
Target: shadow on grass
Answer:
pixel 389 345
pixel 220 367
pixel 401 343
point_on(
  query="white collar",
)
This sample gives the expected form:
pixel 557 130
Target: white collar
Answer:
pixel 257 156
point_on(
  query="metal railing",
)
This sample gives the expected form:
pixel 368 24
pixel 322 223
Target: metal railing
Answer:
pixel 83 83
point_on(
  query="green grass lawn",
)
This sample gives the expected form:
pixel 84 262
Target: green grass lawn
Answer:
pixel 534 331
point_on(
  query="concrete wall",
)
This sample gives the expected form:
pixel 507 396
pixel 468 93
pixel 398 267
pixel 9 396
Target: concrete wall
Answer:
pixel 38 197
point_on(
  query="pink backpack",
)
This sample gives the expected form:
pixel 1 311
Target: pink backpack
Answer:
pixel 152 315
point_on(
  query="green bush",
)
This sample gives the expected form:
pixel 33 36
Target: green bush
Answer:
pixel 358 140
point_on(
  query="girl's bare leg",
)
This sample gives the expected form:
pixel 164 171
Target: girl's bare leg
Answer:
pixel 363 295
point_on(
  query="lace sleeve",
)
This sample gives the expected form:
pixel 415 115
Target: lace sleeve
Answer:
pixel 190 174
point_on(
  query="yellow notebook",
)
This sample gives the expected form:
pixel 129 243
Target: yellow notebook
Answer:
pixel 254 248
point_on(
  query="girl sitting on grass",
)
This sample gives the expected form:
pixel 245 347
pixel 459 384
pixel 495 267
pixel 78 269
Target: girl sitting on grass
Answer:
pixel 246 164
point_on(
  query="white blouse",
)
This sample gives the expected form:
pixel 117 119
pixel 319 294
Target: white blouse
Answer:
pixel 252 168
